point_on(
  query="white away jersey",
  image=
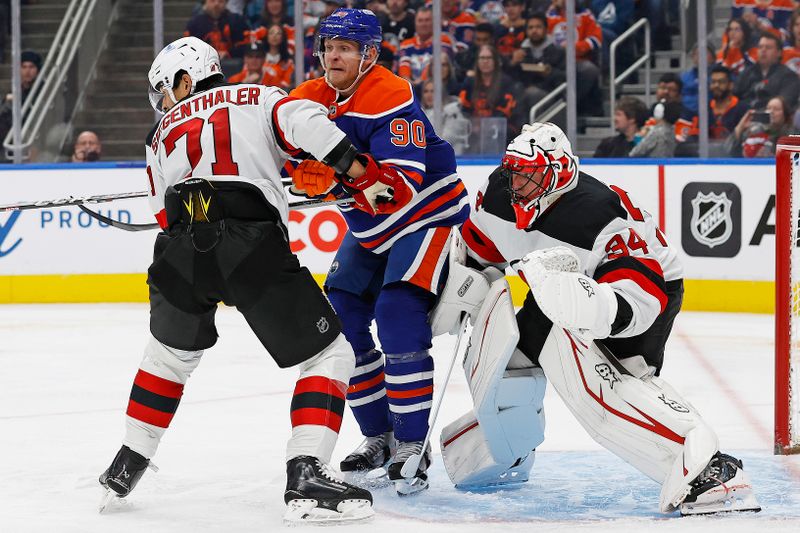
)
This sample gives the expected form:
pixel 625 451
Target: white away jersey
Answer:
pixel 235 133
pixel 617 242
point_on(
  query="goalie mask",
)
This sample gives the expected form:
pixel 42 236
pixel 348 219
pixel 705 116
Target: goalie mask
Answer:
pixel 539 166
pixel 189 54
pixel 359 25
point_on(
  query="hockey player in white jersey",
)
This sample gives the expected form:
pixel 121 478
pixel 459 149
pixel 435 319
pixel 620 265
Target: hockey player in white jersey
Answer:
pixel 605 290
pixel 213 161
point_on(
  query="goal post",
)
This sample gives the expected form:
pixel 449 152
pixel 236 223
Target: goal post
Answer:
pixel 787 296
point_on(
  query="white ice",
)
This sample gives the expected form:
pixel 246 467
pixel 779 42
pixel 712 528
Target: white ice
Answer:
pixel 66 372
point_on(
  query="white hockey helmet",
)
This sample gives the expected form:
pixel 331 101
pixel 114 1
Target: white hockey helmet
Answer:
pixel 539 166
pixel 196 57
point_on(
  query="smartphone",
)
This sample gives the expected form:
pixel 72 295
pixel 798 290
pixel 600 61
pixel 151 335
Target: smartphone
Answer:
pixel 762 117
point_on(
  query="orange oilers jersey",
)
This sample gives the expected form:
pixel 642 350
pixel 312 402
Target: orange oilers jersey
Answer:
pixel 382 118
pixel 732 58
pixel 414 56
pixel 791 58
pixel 590 35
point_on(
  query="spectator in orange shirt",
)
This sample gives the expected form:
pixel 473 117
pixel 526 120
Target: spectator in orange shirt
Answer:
pixel 253 70
pixel 279 66
pixel 274 12
pixel 737 51
pixel 590 35
pixel 415 53
pixel 791 52
pixel 460 25
pixel 220 28
pixel 510 32
pixel 765 15
pixel 588 45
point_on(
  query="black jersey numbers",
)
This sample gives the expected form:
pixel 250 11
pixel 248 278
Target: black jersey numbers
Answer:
pixel 618 247
pixel 221 124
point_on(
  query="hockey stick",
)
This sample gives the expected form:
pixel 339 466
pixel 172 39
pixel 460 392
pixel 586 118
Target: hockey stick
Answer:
pixel 411 465
pixel 73 200
pixel 101 198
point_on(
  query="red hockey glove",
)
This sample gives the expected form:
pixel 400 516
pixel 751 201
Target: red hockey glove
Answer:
pixel 381 190
pixel 313 178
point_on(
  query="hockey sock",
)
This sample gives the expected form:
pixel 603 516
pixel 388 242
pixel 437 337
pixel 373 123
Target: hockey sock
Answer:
pixel 318 401
pixel 155 395
pixel 409 387
pixel 366 395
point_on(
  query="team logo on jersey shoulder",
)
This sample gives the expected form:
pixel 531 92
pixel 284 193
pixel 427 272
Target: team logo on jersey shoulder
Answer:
pixel 322 324
pixel 332 110
pixel 711 222
pixel 334 267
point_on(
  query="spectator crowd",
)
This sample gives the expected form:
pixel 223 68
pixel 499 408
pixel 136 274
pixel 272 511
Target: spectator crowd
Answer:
pixel 501 57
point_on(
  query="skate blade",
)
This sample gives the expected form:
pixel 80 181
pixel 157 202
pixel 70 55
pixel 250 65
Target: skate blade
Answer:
pixel 306 512
pixel 407 487
pixel 744 501
pixel 110 501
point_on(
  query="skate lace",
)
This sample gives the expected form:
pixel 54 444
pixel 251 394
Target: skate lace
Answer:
pixel 327 472
pixel 406 450
pixel 371 445
pixel 714 472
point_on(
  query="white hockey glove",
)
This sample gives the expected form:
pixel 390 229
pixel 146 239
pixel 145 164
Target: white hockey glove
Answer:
pixel 568 298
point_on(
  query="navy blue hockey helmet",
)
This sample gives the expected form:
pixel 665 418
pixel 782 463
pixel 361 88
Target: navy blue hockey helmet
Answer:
pixel 359 25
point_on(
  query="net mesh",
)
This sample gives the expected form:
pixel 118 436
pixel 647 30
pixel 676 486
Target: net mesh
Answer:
pixel 794 324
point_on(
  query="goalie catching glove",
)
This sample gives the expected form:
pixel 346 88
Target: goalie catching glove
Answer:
pixel 568 298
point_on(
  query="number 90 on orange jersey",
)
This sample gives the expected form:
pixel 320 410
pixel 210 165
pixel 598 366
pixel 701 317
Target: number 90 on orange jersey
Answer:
pixel 404 133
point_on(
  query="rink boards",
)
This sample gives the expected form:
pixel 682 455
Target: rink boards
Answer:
pixel 719 214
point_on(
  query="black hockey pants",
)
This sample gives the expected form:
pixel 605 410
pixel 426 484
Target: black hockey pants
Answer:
pixel 243 263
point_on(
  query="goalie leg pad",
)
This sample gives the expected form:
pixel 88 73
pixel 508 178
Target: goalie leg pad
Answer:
pixel 468 457
pixel 650 427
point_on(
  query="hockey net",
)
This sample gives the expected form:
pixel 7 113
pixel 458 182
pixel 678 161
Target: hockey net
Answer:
pixel 787 296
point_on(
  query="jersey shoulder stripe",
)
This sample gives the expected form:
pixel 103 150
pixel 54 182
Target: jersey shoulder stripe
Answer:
pixel 380 93
pixel 580 215
pixel 315 90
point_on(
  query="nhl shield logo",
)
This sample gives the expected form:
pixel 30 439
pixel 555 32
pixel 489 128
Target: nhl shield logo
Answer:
pixel 711 222
pixel 322 325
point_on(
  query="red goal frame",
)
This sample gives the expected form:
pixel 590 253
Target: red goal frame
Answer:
pixel 786 150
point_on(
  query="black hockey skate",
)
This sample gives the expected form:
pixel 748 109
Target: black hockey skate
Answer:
pixel 414 483
pixel 121 477
pixel 722 486
pixel 373 453
pixel 315 494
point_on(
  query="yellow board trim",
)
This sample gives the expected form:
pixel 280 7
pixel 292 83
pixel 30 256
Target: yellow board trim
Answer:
pixel 701 295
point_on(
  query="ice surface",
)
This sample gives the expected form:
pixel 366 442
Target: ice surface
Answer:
pixel 66 372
